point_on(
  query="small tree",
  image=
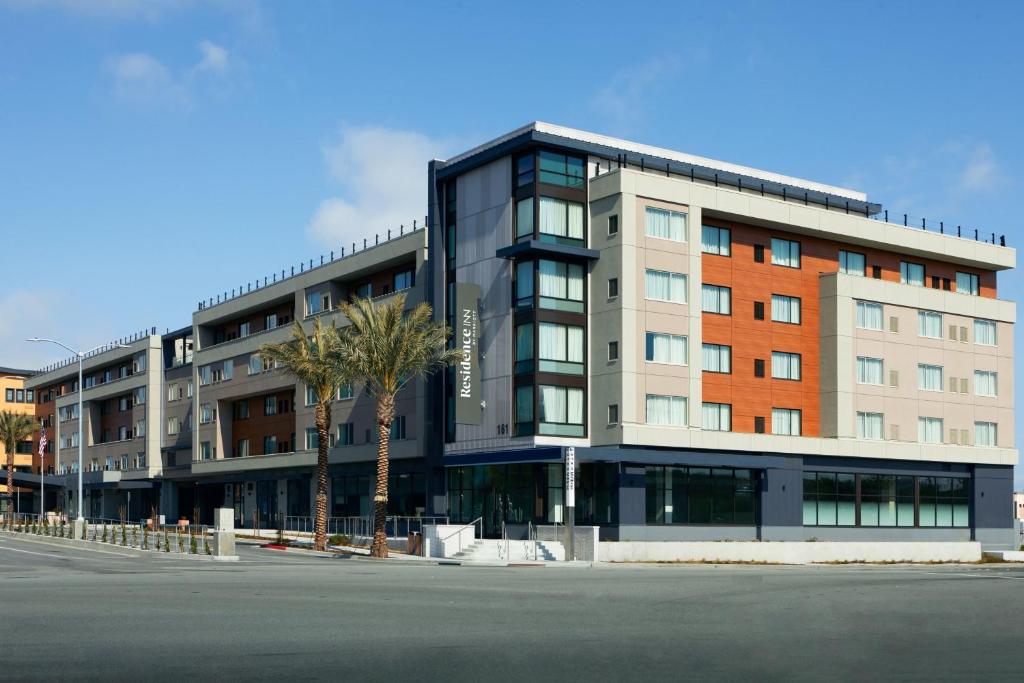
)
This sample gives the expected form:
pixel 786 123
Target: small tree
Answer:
pixel 206 545
pixel 167 542
pixel 104 539
pixel 145 537
pixel 192 543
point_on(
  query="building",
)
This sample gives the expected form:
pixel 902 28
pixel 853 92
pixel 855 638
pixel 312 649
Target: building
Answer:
pixel 1018 505
pixel 729 353
pixel 14 397
pixel 733 354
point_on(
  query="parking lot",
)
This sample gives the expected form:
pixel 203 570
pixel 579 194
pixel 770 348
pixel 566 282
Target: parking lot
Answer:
pixel 73 613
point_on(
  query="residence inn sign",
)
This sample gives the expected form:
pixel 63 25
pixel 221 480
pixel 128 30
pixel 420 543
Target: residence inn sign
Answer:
pixel 467 372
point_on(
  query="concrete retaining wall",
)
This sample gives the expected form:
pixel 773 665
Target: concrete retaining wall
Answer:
pixel 788 552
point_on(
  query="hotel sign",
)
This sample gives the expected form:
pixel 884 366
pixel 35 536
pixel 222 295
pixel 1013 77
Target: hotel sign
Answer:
pixel 467 371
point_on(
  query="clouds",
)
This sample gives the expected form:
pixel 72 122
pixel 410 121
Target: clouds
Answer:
pixel 148 10
pixel 981 173
pixel 141 79
pixel 382 178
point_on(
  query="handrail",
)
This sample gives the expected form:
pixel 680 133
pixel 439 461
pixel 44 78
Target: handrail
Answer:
pixel 462 528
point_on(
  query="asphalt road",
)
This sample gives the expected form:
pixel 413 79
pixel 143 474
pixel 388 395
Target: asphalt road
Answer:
pixel 74 614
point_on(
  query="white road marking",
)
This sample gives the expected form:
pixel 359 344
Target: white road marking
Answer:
pixel 28 552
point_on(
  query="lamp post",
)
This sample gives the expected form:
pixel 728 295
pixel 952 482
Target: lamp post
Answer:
pixel 81 355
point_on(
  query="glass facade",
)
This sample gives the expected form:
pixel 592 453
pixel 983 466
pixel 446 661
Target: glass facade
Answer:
pixel 700 495
pixel 885 500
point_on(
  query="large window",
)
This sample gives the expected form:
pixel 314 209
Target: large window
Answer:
pixel 830 499
pixel 715 240
pixel 985 433
pixel 985 383
pixel 716 299
pixel 716 417
pixel 524 410
pixel 524 284
pixel 929 324
pixel 912 273
pixel 852 263
pixel 700 495
pixel 869 315
pixel 561 221
pixel 666 410
pixel 885 500
pixel 785 253
pixel 870 425
pixel 929 377
pixel 665 348
pixel 869 370
pixel 560 169
pixel 716 358
pixel 785 309
pixel 560 286
pixel 985 332
pixel 929 429
pixel 524 218
pixel 786 421
pixel 662 285
pixel 524 348
pixel 785 365
pixel 524 170
pixel 967 283
pixel 560 348
pixel 664 224
pixel 561 411
pixel 944 501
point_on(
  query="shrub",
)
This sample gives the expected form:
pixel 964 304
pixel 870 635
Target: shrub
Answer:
pixel 181 543
pixel 104 539
pixel 145 538
pixel 193 548
pixel 206 544
pixel 124 535
pixel 167 542
pixel 339 539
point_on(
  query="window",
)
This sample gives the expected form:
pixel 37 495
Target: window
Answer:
pixel 346 434
pixel 364 291
pixel 929 377
pixel 700 495
pixel 785 309
pixel 205 375
pixel 524 218
pixel 173 426
pixel 313 439
pixel 242 450
pixel 310 396
pixel 785 365
pixel 270 321
pixel 869 370
pixel 205 413
pixel 270 405
pixel 758 367
pixel 561 221
pixel 613 287
pixel 665 348
pixel 759 257
pixel 967 283
pixel 830 499
pixel 205 451
pixel 716 417
pixel 664 224
pixel 317 302
pixel 613 226
pixel 240 409
pixel 398 428
pixel 255 364
pixel 662 285
pixel 870 425
pixel 524 410
pixel 524 176
pixel 758 310
pixel 9 395
pixel 560 286
pixel 404 280
pixel 666 410
pixel 345 392
pixel 715 240
pixel 613 350
pixel 139 396
pixel 269 445
pixel 929 429
pixel 985 383
pixel 244 330
pixel 869 315
pixel 716 299
pixel 123 404
pixel 560 348
pixel 944 501
pixel 524 284
pixel 716 358
pixel 786 421
pixel 929 324
pixel 613 414
pixel 785 253
pixel 984 433
pixel 561 411
pixel 985 332
pixel 852 263
pixel 560 169
pixel 912 273
pixel 524 348
pixel 191 388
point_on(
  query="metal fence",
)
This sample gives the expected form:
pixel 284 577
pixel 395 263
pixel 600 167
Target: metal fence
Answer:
pixel 167 538
pixel 362 527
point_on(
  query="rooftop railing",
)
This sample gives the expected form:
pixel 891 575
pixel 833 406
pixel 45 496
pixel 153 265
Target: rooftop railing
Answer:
pixel 313 264
pixel 103 349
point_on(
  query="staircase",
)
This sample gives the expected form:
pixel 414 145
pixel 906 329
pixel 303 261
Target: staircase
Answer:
pixel 493 551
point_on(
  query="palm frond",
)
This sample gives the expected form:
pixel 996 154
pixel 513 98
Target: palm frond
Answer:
pixel 312 359
pixel 15 428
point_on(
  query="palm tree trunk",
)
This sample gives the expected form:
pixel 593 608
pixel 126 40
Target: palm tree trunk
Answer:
pixel 323 426
pixel 10 483
pixel 385 416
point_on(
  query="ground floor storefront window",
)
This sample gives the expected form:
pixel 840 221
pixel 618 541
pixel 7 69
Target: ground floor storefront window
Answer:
pixel 518 493
pixel 885 500
pixel 700 495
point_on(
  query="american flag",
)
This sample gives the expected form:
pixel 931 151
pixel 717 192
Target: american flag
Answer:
pixel 42 442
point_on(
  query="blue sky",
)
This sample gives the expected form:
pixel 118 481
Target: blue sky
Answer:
pixel 155 153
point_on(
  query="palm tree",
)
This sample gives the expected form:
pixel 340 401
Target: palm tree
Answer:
pixel 313 361
pixel 387 347
pixel 14 429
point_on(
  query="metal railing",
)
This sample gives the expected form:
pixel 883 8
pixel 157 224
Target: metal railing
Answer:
pixel 167 538
pixel 396 526
pixel 462 527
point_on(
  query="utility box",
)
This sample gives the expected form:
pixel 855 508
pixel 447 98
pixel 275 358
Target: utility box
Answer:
pixel 224 519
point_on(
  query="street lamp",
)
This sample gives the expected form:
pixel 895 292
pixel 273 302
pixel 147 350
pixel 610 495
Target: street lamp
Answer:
pixel 81 388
